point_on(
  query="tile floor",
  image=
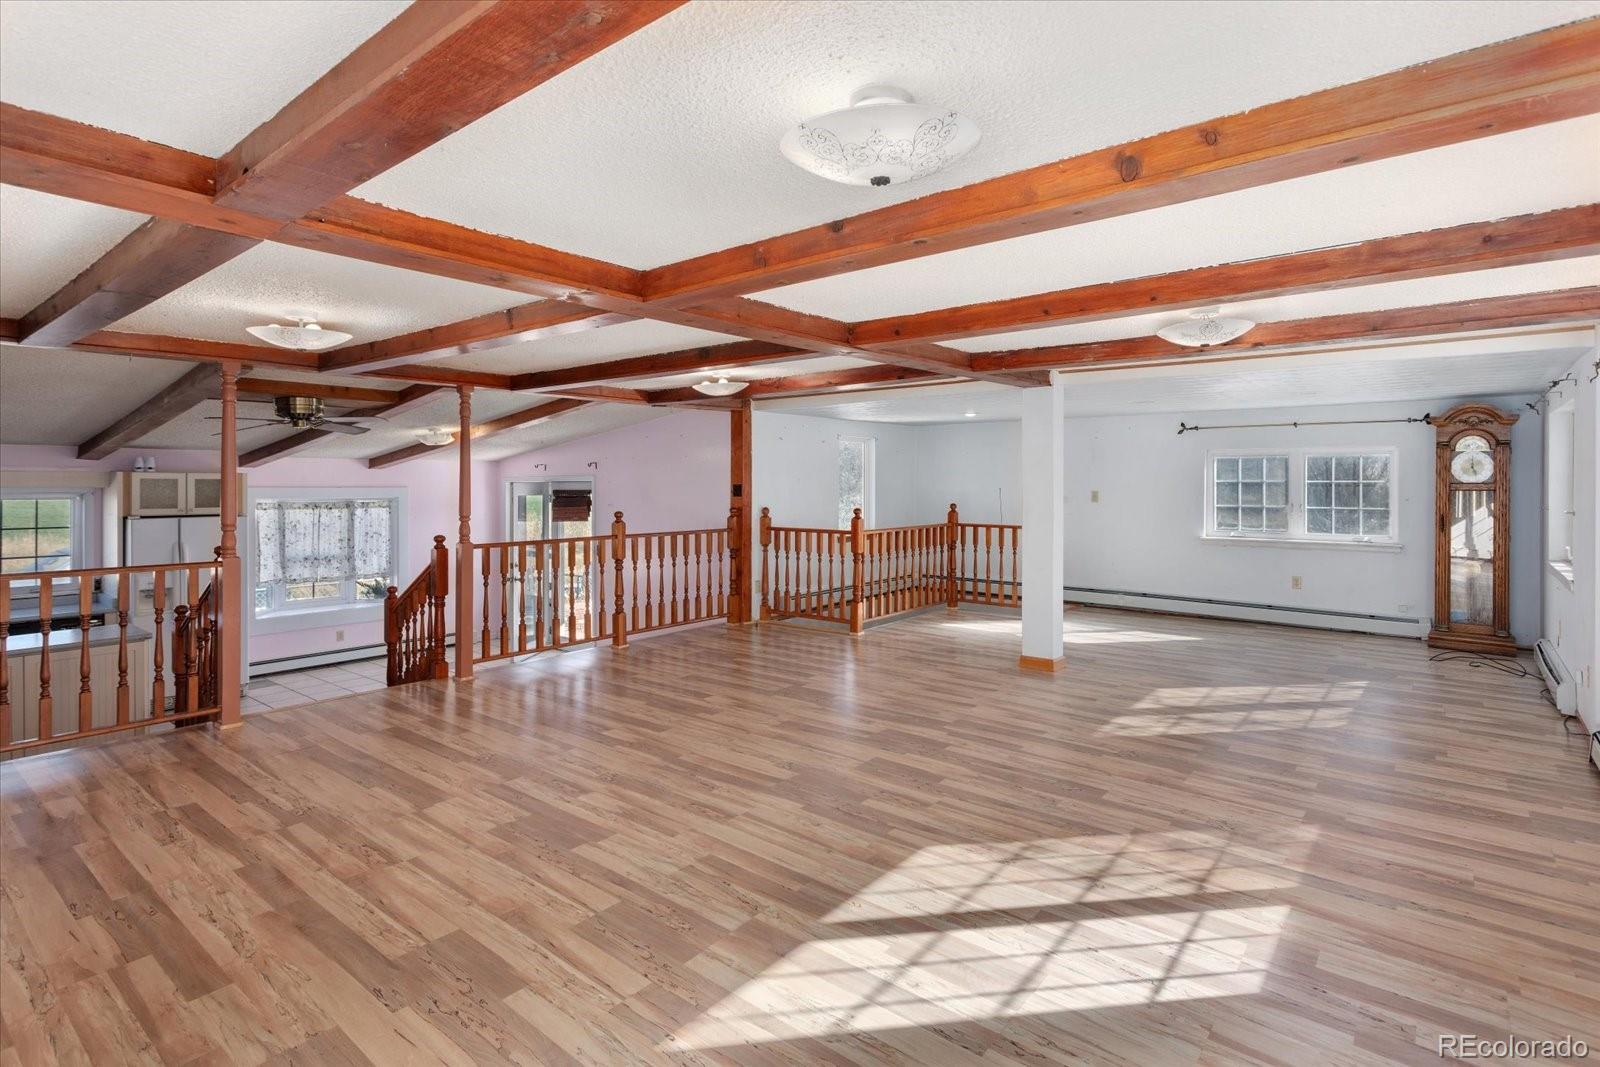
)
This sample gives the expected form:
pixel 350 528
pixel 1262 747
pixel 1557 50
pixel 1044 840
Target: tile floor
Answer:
pixel 290 688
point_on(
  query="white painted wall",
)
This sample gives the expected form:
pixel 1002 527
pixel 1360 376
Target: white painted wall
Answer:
pixel 796 469
pixel 1144 534
pixel 973 465
pixel 1571 609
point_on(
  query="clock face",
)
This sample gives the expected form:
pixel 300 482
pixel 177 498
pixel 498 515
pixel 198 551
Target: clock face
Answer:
pixel 1472 466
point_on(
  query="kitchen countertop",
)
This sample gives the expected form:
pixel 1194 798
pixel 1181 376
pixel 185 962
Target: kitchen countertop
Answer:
pixel 22 644
pixel 63 606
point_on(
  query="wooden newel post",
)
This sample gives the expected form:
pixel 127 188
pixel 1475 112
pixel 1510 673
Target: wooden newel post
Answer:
pixel 619 551
pixel 737 611
pixel 766 567
pixel 391 635
pixel 464 569
pixel 858 577
pixel 952 537
pixel 438 589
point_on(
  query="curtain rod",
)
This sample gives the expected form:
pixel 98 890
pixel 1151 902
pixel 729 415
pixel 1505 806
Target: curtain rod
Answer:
pixel 1184 427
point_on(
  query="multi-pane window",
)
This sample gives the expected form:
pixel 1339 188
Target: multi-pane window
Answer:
pixel 1347 495
pixel 37 533
pixel 312 553
pixel 1306 494
pixel 1251 494
pixel 855 479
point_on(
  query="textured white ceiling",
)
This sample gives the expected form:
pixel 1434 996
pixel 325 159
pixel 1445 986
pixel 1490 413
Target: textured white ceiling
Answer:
pixel 271 282
pixel 1490 366
pixel 1539 169
pixel 195 74
pixel 638 338
pixel 665 145
pixel 45 241
pixel 53 397
pixel 1415 292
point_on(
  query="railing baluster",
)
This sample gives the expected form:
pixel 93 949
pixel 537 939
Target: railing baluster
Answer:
pixel 483 636
pixel 505 598
pixel 47 708
pixel 85 691
pixel 522 598
pixel 5 668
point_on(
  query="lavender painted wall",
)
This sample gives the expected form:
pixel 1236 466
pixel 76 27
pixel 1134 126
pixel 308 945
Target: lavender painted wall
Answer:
pixel 669 473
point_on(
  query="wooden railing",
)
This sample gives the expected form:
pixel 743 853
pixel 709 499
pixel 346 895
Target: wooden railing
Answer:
pixel 856 575
pixel 566 591
pixel 414 622
pixel 121 668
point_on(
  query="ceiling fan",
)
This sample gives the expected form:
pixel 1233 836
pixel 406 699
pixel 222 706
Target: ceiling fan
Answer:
pixel 305 413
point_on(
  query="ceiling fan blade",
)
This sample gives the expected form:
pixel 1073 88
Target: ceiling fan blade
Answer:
pixel 339 427
pixel 356 418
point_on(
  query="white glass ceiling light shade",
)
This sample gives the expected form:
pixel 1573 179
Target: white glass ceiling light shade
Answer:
pixel 720 387
pixel 882 138
pixel 435 436
pixel 305 335
pixel 1205 327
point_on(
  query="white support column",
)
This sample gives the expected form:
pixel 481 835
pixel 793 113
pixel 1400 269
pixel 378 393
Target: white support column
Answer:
pixel 1043 466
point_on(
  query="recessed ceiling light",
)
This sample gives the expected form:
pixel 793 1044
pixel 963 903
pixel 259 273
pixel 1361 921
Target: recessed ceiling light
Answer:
pixel 1205 327
pixel 720 387
pixel 305 336
pixel 970 414
pixel 882 138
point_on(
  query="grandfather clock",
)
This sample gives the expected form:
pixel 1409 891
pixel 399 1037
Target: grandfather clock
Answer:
pixel 1471 556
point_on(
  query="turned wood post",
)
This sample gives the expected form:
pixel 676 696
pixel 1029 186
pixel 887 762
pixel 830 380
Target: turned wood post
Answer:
pixel 766 566
pixel 619 550
pixel 464 575
pixel 738 612
pixel 227 660
pixel 438 589
pixel 858 579
pixel 952 535
pixel 391 635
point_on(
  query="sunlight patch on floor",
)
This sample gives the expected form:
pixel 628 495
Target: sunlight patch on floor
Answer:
pixel 966 878
pixel 1211 696
pixel 1254 720
pixel 853 985
pixel 1074 631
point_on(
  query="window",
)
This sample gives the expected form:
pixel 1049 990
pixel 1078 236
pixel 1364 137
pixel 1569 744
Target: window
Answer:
pixel 323 553
pixel 40 532
pixel 855 479
pixel 1302 495
pixel 1251 494
pixel 1561 488
pixel 1347 496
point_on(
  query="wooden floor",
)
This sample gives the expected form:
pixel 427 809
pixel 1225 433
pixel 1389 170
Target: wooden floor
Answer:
pixel 1204 843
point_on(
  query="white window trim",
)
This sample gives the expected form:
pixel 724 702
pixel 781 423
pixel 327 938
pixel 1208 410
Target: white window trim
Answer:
pixel 869 475
pixel 1297 536
pixel 1561 490
pixel 80 538
pixel 307 616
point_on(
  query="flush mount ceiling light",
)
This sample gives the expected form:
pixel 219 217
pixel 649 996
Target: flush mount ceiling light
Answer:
pixel 1205 327
pixel 882 138
pixel 304 336
pixel 720 387
pixel 435 436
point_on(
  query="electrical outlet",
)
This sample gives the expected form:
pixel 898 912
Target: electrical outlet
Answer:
pixel 1094 496
pixel 338 636
pixel 1294 581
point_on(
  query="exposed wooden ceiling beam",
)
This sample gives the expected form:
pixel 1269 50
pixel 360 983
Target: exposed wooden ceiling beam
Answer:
pixel 1539 78
pixel 185 348
pixel 376 234
pixel 525 417
pixel 1537 238
pixel 200 383
pixel 423 372
pixel 403 400
pixel 838 381
pixel 1467 316
pixel 608 393
pixel 347 394
pixel 397 93
pixel 684 361
pixel 482 333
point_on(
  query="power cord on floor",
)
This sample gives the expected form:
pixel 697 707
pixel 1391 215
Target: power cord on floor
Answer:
pixel 1511 667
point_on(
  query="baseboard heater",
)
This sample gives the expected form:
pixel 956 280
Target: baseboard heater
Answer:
pixel 1245 611
pixel 262 668
pixel 1557 678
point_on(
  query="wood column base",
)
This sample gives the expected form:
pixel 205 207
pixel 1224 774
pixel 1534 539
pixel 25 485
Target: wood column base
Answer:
pixel 1039 663
pixel 1487 644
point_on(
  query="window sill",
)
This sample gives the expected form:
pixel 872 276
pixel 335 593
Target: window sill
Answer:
pixel 1562 570
pixel 291 619
pixel 1304 542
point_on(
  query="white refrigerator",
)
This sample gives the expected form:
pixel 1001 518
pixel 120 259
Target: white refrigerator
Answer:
pixel 178 539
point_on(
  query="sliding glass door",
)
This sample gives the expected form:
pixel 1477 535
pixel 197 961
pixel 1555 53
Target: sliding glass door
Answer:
pixel 545 509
